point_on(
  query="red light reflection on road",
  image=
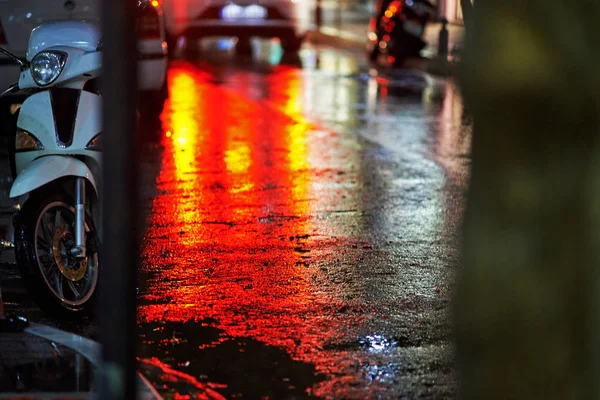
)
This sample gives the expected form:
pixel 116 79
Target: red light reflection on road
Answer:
pixel 226 234
pixel 286 95
pixel 185 139
pixel 172 374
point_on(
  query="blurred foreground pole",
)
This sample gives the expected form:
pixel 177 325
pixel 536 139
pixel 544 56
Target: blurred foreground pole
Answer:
pixel 467 12
pixel 116 306
pixel 318 14
pixel 338 15
pixel 527 300
pixel 443 39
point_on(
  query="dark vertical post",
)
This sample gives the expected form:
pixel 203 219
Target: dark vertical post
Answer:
pixel 530 316
pixel 338 15
pixel 116 306
pixel 443 39
pixel 319 14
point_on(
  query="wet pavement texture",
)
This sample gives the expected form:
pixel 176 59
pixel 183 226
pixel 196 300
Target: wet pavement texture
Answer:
pixel 303 237
pixel 303 229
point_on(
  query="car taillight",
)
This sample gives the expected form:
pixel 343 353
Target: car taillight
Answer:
pixel 148 24
pixel 2 37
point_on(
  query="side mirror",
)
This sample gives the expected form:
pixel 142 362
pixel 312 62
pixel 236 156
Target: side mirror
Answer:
pixel 23 64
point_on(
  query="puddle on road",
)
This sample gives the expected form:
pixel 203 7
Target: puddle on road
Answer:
pixel 206 359
pixel 29 364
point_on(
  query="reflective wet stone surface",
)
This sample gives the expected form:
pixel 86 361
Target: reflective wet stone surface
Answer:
pixel 303 237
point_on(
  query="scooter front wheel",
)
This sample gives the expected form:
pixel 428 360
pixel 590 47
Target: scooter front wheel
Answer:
pixel 60 283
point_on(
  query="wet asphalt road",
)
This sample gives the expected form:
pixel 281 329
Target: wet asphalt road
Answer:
pixel 303 229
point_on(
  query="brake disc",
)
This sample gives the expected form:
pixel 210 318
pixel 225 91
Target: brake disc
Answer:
pixel 62 243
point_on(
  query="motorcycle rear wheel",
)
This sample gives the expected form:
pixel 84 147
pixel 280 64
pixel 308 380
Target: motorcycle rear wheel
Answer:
pixel 44 233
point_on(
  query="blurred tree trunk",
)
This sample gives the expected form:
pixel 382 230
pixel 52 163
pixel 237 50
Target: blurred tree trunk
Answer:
pixel 527 298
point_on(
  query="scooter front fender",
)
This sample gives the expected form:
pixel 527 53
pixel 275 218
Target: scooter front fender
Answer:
pixel 47 169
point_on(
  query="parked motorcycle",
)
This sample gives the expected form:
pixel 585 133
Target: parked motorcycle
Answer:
pixel 397 31
pixel 56 163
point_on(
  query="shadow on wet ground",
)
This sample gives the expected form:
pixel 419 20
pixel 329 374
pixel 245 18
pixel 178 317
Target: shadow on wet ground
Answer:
pixel 236 367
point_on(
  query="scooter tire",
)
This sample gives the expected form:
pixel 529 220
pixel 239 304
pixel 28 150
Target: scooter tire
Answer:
pixel 25 223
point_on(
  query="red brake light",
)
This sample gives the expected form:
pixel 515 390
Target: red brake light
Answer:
pixel 148 24
pixel 395 7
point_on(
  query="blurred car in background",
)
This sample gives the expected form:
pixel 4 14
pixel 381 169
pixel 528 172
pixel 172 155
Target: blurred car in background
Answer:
pixel 153 56
pixel 287 20
pixel 19 17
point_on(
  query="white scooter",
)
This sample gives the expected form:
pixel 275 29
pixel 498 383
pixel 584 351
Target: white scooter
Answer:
pixel 57 163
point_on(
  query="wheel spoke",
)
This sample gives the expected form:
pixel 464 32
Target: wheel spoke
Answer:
pixel 50 223
pixel 58 280
pixel 44 236
pixel 47 263
pixel 46 229
pixel 57 219
pixel 74 289
pixel 44 244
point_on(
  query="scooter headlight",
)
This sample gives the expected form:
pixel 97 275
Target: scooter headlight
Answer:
pixel 27 142
pixel 47 66
pixel 95 144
